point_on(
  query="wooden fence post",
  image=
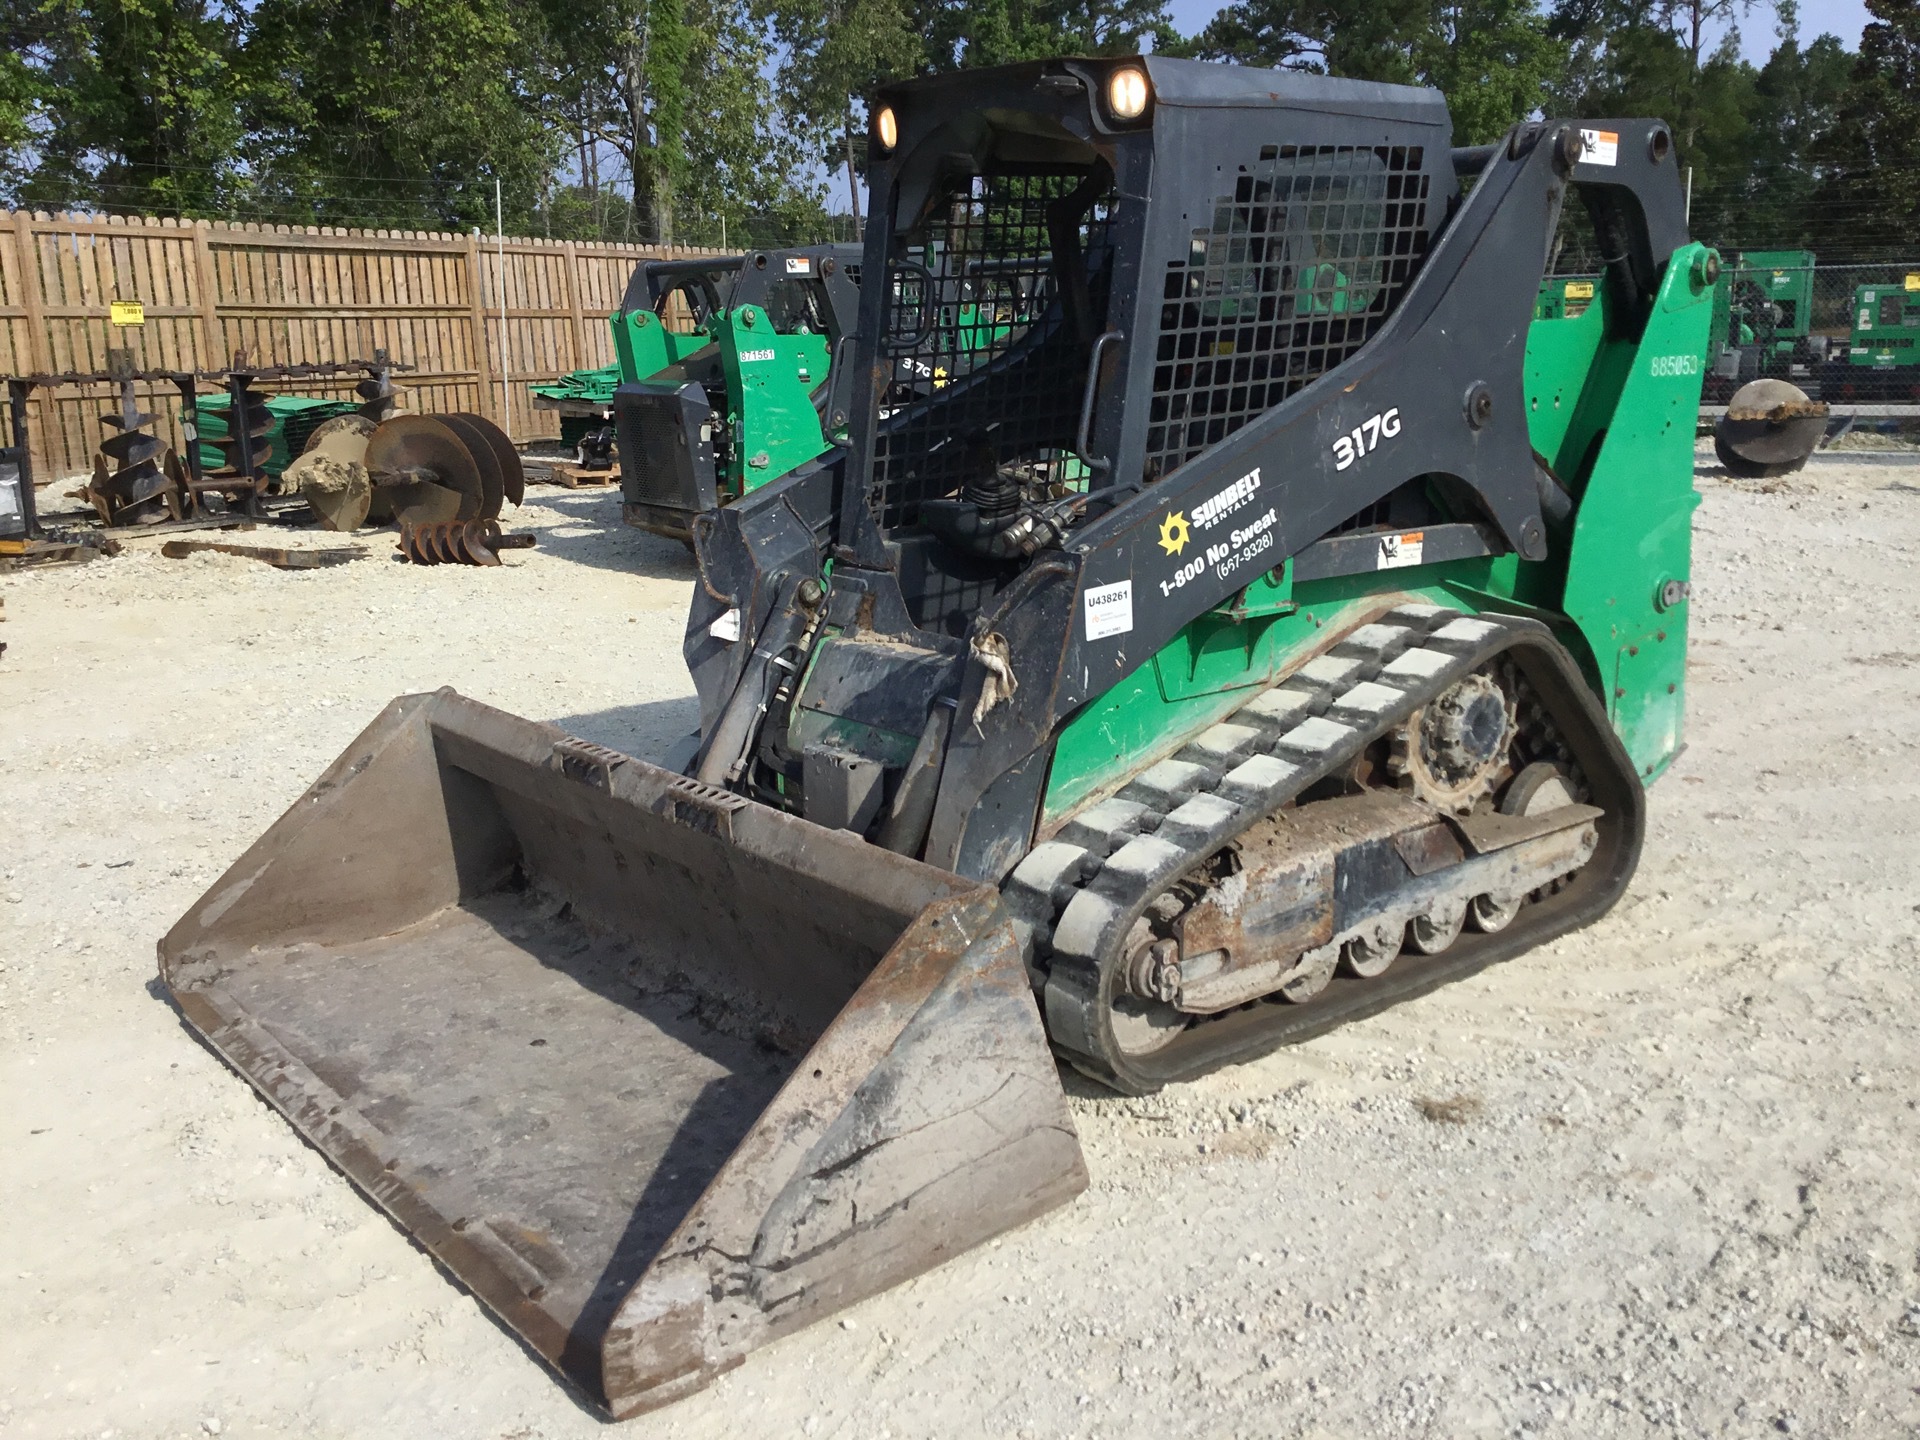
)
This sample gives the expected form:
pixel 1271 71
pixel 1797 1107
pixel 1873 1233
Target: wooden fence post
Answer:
pixel 476 295
pixel 573 304
pixel 40 347
pixel 207 282
pixel 33 293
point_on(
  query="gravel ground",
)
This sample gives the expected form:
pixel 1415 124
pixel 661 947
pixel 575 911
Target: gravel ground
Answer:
pixel 1657 1178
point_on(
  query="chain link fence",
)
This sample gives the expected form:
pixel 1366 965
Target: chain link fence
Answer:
pixel 1847 334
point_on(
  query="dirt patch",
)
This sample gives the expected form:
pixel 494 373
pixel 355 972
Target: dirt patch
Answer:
pixel 1454 1110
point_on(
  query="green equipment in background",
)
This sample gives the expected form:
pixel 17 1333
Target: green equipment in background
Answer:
pixel 295 417
pixel 1762 324
pixel 663 318
pixel 1882 360
pixel 1886 326
pixel 745 405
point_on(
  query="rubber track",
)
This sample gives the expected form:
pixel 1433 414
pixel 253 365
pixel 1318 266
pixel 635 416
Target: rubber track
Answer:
pixel 1075 898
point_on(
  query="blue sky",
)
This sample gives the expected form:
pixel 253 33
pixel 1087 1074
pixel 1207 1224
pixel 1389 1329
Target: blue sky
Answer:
pixel 1845 18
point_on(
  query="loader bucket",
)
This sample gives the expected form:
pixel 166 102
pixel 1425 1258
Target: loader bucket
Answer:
pixel 659 1073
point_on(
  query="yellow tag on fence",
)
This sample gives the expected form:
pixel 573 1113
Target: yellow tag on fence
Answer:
pixel 1913 282
pixel 127 312
pixel 1579 290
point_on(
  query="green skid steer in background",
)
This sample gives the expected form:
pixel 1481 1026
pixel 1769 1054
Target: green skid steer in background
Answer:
pixel 745 406
pixel 1262 622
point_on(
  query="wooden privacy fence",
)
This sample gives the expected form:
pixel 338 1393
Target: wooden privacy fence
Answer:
pixel 290 296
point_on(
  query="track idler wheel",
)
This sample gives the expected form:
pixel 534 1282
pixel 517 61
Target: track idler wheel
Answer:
pixel 1144 1019
pixel 1539 788
pixel 1770 429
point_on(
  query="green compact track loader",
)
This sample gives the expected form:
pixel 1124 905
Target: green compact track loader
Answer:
pixel 702 424
pixel 1259 621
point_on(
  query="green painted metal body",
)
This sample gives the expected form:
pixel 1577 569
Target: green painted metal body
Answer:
pixel 1614 415
pixel 1886 326
pixel 644 344
pixel 1565 297
pixel 771 381
pixel 1785 279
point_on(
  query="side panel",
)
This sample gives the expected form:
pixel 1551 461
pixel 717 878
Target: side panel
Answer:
pixel 1565 376
pixel 1633 533
pixel 770 383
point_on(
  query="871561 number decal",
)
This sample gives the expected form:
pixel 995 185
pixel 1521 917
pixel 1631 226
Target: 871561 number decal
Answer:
pixel 1365 437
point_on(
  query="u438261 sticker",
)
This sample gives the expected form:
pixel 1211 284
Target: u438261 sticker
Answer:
pixel 1109 609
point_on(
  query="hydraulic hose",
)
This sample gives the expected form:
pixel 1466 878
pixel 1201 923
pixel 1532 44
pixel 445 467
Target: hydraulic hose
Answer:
pixel 733 732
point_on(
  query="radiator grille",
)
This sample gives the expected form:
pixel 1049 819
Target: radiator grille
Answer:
pixel 993 317
pixel 1299 266
pixel 657 458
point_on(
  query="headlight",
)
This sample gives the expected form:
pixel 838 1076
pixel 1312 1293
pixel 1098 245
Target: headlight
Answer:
pixel 886 129
pixel 1127 93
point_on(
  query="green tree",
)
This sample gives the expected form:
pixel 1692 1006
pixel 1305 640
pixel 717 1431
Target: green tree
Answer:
pixel 393 112
pixel 1494 59
pixel 678 91
pixel 748 178
pixel 1766 191
pixel 121 104
pixel 1629 58
pixel 1870 201
pixel 19 97
pixel 964 33
pixel 837 51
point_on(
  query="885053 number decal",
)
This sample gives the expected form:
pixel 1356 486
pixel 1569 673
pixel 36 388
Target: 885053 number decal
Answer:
pixel 1365 437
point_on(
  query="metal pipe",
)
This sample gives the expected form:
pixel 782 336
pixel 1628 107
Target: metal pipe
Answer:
pixel 1472 159
pixel 500 239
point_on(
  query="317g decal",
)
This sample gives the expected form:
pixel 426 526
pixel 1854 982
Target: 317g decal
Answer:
pixel 1365 437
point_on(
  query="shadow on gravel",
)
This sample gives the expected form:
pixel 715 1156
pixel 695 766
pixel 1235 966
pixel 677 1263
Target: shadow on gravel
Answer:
pixel 609 543
pixel 647 731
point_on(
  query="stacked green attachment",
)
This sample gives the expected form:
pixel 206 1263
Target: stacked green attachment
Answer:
pixel 585 387
pixel 291 419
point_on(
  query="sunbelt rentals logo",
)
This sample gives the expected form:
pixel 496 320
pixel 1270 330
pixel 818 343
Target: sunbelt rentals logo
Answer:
pixel 1174 532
